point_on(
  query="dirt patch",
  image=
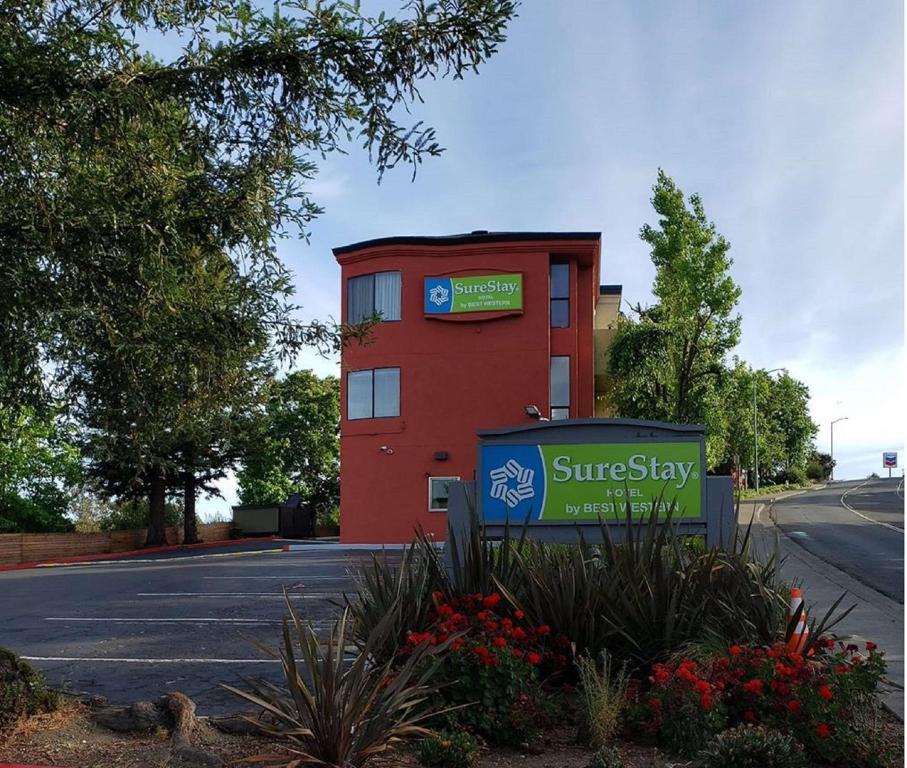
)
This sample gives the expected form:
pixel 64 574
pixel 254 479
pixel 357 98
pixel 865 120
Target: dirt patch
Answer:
pixel 70 739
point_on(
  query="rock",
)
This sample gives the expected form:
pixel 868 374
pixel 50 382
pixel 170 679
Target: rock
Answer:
pixel 193 757
pixel 237 725
pixel 141 717
pixel 96 701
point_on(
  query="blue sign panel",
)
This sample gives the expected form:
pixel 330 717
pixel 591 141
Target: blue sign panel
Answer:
pixel 438 295
pixel 513 483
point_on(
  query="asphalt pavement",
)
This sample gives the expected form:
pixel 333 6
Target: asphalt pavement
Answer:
pixel 857 527
pixel 137 628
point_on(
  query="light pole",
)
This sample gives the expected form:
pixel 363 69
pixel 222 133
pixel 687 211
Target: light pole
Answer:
pixel 843 418
pixel 756 426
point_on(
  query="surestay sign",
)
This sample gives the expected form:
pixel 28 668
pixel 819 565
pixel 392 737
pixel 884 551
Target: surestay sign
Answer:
pixel 585 482
pixel 478 293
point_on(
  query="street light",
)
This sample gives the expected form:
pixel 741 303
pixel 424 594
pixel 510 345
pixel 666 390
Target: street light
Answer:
pixel 756 426
pixel 843 418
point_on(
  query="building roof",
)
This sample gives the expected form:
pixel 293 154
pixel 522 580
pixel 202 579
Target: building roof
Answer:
pixel 477 236
pixel 610 290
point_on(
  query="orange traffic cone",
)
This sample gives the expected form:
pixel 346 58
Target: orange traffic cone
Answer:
pixel 801 632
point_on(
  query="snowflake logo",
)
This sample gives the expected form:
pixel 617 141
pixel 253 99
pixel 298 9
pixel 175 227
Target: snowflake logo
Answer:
pixel 512 483
pixel 439 295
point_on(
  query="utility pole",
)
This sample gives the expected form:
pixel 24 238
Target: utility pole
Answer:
pixel 843 418
pixel 756 426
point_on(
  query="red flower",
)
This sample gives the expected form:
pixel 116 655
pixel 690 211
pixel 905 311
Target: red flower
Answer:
pixel 702 687
pixel 735 650
pixel 825 692
pixel 492 600
pixel 823 730
pixel 533 658
pixel 444 610
pixel 543 630
pixel 499 642
pixel 871 646
pixel 437 596
pixel 705 701
pixel 519 634
pixel 754 687
pixel 481 651
pixel 655 704
pixel 749 716
pixel 519 615
pixel 793 706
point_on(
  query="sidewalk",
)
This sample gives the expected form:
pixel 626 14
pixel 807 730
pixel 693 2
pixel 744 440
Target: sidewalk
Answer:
pixel 876 617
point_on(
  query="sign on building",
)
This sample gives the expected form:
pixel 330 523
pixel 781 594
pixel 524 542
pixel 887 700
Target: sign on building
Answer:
pixel 889 460
pixel 477 293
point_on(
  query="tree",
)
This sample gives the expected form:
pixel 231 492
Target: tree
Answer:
pixel 819 466
pixel 296 448
pixel 260 94
pixel 39 467
pixel 668 362
pixel 126 174
pixel 788 408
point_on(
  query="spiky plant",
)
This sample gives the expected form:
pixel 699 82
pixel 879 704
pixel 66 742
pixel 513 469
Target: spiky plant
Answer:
pixel 338 712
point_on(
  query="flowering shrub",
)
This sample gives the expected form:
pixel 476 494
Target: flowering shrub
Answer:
pixel 492 666
pixel 680 707
pixel 815 697
pixel 447 750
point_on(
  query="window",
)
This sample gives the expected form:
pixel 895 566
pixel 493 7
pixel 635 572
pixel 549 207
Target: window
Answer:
pixel 370 295
pixel 560 295
pixel 373 393
pixel 438 493
pixel 560 388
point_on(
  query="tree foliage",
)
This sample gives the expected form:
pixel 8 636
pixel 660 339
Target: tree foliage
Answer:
pixel 669 361
pixel 140 199
pixel 295 447
pixel 39 466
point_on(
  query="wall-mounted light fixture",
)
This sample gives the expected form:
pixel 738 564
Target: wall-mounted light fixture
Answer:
pixel 533 412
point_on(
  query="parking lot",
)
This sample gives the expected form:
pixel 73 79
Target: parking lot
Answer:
pixel 134 629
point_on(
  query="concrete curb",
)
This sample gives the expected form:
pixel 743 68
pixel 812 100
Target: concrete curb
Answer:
pixel 107 556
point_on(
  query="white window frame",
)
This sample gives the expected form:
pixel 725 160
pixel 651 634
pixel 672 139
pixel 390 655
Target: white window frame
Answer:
pixel 439 477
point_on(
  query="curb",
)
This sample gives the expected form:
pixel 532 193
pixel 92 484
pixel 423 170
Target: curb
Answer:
pixel 105 556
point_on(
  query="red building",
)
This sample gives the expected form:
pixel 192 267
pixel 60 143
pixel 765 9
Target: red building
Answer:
pixel 478 331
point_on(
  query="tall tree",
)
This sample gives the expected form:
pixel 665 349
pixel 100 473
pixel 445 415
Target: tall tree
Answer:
pixel 126 172
pixel 296 447
pixel 667 362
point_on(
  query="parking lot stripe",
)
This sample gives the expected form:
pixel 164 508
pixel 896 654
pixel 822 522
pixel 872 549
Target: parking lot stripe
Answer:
pixel 182 620
pixel 284 578
pixel 150 661
pixel 256 595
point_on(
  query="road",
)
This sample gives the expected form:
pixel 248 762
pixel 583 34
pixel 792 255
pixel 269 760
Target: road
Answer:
pixel 857 527
pixel 135 629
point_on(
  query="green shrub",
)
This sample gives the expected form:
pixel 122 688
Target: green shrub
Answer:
pixel 447 750
pixel 339 712
pixel 22 690
pixel 606 757
pixel 397 595
pixel 604 692
pixel 495 693
pixel 747 746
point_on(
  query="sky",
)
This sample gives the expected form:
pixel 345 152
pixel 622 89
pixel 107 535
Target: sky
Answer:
pixel 787 118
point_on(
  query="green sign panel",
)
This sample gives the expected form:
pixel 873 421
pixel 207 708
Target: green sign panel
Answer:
pixel 478 293
pixel 558 483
